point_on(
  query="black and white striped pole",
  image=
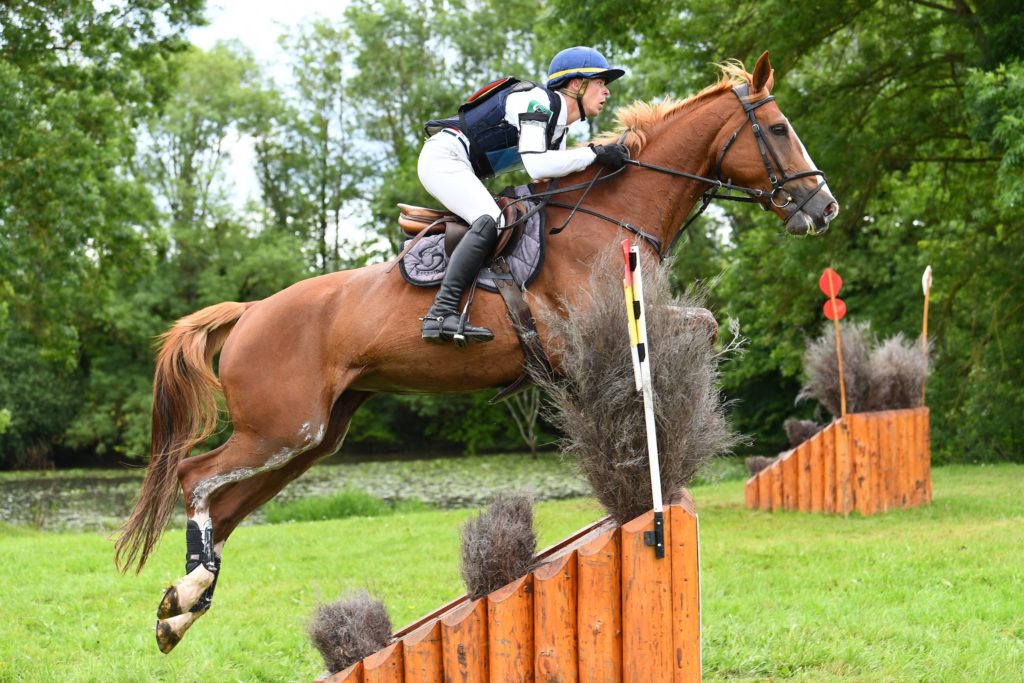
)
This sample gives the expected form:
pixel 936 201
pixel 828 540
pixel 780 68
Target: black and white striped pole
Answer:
pixel 640 351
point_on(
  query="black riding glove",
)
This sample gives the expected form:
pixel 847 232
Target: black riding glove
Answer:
pixel 613 156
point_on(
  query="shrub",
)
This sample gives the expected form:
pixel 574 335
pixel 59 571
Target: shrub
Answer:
pixel 798 431
pixel 594 403
pixel 498 545
pixel 897 369
pixel 756 463
pixel 888 376
pixel 349 629
pixel 822 371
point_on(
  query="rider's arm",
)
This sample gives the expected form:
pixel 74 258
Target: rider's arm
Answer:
pixel 529 112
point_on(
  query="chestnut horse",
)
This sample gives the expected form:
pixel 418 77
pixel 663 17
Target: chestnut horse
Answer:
pixel 295 367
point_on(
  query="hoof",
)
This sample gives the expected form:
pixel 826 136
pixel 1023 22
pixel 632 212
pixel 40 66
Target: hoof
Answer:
pixel 166 638
pixel 169 632
pixel 184 594
pixel 169 605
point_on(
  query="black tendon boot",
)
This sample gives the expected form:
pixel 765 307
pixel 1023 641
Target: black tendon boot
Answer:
pixel 442 320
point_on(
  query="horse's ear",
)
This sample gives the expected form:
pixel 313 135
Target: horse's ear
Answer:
pixel 764 75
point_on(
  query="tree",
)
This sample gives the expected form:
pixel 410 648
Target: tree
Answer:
pixel 525 410
pixel 74 79
pixel 307 165
pixel 218 97
pixel 203 252
pixel 912 108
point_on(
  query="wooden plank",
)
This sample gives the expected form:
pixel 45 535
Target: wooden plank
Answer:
pixel 803 473
pixel 885 469
pixel 647 631
pixel 599 613
pixel 421 654
pixel 775 478
pixel 764 490
pixel 464 643
pixel 906 435
pixel 790 481
pixel 860 462
pixel 873 462
pixel 554 617
pixel 684 553
pixel 898 466
pixel 916 416
pixel 750 493
pixel 510 632
pixel 353 674
pixel 915 461
pixel 926 440
pixel 555 549
pixel 844 468
pixel 385 666
pixel 828 459
pixel 816 463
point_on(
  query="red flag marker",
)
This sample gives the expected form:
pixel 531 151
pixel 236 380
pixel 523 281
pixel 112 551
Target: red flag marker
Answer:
pixel 830 283
pixel 835 309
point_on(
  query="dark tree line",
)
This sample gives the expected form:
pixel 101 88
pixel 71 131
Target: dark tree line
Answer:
pixel 116 214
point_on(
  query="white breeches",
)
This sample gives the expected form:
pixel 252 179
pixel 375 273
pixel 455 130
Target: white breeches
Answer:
pixel 446 173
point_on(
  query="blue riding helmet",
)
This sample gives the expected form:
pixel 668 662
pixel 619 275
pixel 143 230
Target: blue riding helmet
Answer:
pixel 579 62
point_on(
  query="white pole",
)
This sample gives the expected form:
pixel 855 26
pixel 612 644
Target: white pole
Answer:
pixel 647 388
pixel 642 371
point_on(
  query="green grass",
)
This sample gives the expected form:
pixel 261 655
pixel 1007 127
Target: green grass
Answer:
pixel 921 595
pixel 346 503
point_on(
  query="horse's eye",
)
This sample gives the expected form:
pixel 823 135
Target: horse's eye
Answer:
pixel 779 129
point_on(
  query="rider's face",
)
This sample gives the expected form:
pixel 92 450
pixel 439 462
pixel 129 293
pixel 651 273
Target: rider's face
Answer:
pixel 594 97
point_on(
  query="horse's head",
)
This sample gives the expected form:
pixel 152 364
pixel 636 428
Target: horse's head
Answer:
pixel 763 151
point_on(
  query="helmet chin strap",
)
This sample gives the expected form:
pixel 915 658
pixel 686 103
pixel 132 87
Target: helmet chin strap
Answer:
pixel 578 96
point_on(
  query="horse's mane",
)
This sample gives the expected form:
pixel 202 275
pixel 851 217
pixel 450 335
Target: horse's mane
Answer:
pixel 638 118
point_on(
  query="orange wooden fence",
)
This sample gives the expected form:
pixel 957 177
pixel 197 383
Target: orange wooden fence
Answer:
pixel 864 462
pixel 599 607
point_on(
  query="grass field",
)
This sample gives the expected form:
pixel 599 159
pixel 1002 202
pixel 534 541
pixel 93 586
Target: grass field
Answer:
pixel 934 594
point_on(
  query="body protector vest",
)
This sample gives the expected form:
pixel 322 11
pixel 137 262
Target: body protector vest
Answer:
pixel 494 145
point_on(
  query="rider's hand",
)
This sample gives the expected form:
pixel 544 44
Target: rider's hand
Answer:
pixel 613 156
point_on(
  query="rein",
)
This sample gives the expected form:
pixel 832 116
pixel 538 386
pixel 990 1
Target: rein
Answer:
pixel 754 195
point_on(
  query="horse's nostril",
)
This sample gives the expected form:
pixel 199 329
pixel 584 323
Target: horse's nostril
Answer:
pixel 831 210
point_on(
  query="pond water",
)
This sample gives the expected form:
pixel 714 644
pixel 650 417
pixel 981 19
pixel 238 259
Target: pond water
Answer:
pixel 100 500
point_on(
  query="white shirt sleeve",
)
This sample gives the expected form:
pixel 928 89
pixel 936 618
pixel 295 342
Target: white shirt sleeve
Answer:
pixel 553 163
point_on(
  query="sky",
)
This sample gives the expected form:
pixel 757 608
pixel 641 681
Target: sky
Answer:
pixel 257 25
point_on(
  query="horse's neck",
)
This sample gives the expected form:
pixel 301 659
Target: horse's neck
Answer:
pixel 657 202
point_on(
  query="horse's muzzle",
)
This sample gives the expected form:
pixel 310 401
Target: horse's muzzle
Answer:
pixel 814 214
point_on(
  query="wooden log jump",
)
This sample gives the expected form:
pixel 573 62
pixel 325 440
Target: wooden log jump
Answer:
pixel 864 462
pixel 598 607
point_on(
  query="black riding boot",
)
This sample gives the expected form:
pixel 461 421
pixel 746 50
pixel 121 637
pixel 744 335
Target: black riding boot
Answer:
pixel 441 322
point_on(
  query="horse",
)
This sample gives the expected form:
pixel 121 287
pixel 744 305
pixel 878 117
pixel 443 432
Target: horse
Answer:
pixel 296 366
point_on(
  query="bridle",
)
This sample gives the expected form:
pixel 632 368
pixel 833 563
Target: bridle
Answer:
pixel 765 148
pixel 715 184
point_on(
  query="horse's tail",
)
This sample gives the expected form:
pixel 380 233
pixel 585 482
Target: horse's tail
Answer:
pixel 185 394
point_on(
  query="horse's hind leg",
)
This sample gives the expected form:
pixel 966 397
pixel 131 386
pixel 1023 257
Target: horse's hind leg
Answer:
pixel 218 500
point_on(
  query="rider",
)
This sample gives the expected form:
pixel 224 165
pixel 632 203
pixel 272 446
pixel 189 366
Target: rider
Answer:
pixel 523 124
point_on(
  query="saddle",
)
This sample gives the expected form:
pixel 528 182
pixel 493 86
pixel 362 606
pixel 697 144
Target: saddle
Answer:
pixel 517 259
pixel 418 222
